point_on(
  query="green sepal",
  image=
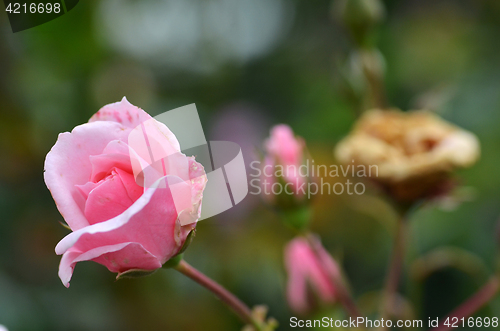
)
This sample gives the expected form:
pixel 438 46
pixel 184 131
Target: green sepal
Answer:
pixel 134 273
pixel 173 262
pixel 189 238
pixel 64 225
pixel 297 218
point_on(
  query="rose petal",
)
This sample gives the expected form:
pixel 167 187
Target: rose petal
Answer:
pixel 115 155
pixel 121 112
pixel 283 144
pixel 87 188
pixel 67 164
pixel 133 254
pixel 67 242
pixel 461 148
pixel 154 143
pixel 111 198
pixel 151 220
pixel 134 191
pixel 114 257
pixel 308 268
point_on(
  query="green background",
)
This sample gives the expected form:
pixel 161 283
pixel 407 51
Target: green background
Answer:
pixel 443 55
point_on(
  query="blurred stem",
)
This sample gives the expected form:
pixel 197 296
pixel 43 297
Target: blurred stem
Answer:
pixel 241 309
pixel 377 89
pixel 395 268
pixel 474 303
pixel 345 298
pixel 343 295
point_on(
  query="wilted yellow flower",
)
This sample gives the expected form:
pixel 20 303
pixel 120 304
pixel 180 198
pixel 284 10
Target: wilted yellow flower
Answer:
pixel 414 152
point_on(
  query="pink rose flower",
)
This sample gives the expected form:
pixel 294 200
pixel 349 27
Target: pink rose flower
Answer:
pixel 309 269
pixel 126 211
pixel 284 156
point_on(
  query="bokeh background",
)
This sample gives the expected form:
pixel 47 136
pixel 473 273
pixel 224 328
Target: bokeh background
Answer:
pixel 247 65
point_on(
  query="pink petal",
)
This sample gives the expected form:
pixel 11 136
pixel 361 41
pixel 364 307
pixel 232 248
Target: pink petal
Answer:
pixel 115 257
pixel 122 112
pixel 319 278
pixel 308 266
pixel 296 289
pixel 155 144
pixel 66 266
pixel 133 255
pixel 151 221
pixel 111 198
pixel 67 164
pixel 104 227
pixel 283 144
pixel 87 188
pixel 115 155
pixel 134 191
pixel 187 191
pixel 198 182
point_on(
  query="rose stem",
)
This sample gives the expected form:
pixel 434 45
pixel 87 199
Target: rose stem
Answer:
pixel 345 298
pixel 394 270
pixel 343 294
pixel 378 92
pixel 230 299
pixel 474 303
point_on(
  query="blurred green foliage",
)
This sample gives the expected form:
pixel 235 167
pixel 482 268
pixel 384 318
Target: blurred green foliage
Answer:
pixel 442 55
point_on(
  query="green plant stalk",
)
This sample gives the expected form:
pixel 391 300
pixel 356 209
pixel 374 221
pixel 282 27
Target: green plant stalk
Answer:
pixel 377 90
pixel 241 309
pixel 394 270
pixel 345 299
pixel 474 303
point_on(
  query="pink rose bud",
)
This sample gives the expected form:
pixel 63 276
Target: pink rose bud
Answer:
pixel 285 176
pixel 284 156
pixel 310 273
pixel 117 219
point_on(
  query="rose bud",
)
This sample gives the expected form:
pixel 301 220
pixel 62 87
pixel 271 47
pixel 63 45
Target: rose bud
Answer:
pixel 359 16
pixel 414 152
pixel 116 219
pixel 310 273
pixel 284 175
